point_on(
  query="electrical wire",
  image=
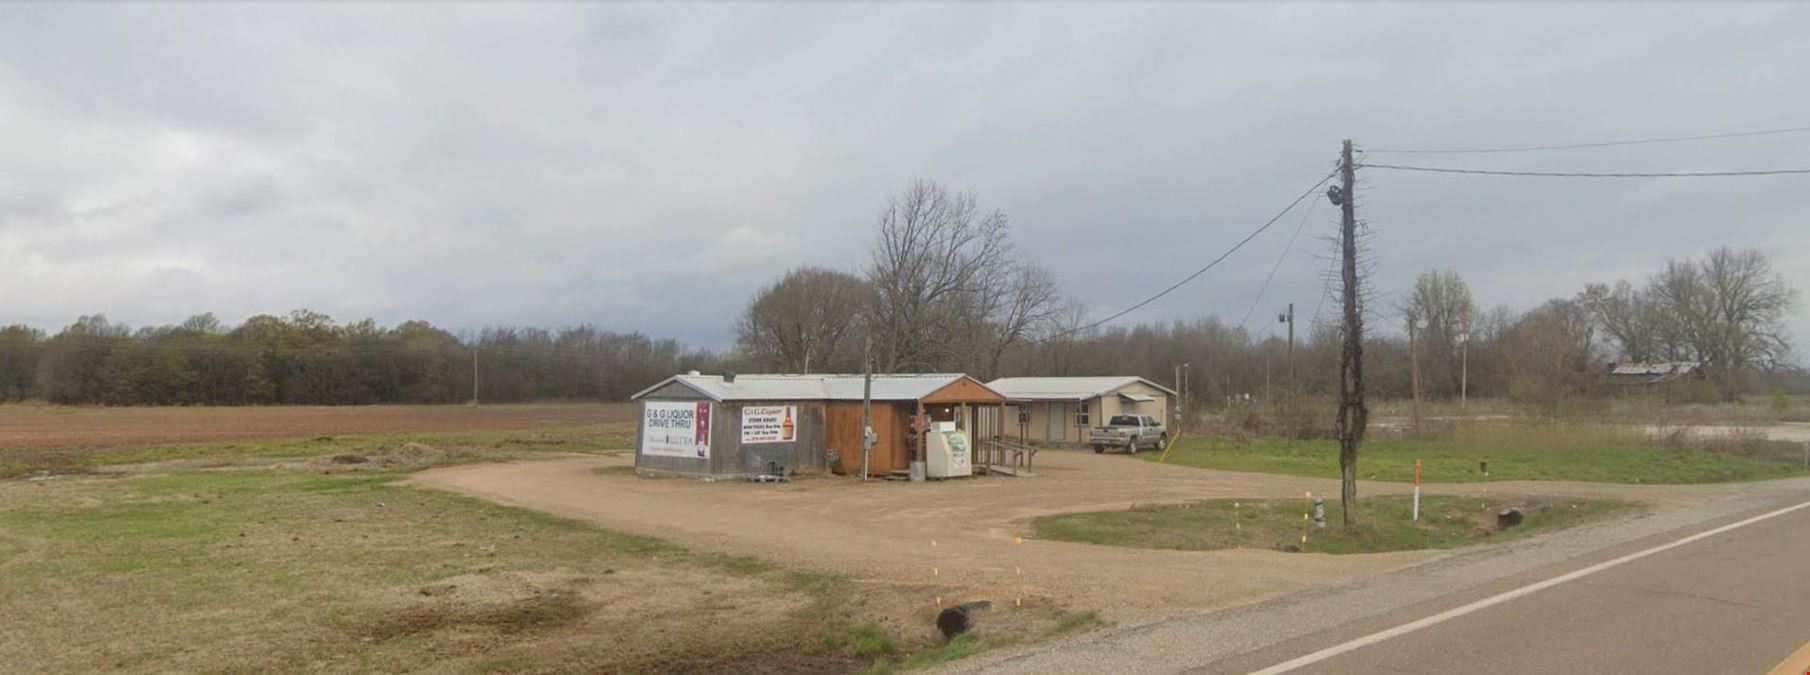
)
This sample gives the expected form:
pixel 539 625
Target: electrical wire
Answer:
pixel 1585 174
pixel 1203 270
pixel 1575 146
pixel 1245 322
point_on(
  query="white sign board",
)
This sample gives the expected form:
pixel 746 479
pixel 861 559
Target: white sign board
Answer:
pixel 675 429
pixel 769 424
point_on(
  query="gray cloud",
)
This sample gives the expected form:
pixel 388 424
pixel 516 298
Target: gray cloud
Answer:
pixel 645 168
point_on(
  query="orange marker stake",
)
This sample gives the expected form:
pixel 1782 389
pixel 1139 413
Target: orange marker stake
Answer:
pixel 1018 569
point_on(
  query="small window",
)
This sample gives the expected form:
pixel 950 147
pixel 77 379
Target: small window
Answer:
pixel 1082 418
pixel 1024 415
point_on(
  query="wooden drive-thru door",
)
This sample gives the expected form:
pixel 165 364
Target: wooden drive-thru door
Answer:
pixel 1055 412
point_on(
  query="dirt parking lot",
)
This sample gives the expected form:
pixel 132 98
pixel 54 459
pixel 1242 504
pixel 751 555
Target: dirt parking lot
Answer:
pixel 47 427
pixel 883 531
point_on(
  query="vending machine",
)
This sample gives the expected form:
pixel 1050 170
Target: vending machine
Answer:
pixel 948 453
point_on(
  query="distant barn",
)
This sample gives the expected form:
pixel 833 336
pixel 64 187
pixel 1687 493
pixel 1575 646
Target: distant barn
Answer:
pixel 1643 374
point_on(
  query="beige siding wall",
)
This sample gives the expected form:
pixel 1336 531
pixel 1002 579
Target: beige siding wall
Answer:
pixel 1099 410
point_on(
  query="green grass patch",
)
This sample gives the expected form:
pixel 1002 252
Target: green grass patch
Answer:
pixel 1384 523
pixel 1071 622
pixel 865 641
pixel 1457 461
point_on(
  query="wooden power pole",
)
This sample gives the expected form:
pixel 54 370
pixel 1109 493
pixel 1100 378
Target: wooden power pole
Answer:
pixel 1414 366
pixel 1353 415
pixel 1288 395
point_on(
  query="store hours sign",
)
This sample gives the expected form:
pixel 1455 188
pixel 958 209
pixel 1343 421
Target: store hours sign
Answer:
pixel 769 424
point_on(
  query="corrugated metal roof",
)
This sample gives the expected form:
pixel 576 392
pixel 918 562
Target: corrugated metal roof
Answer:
pixel 1679 367
pixel 906 387
pixel 1066 388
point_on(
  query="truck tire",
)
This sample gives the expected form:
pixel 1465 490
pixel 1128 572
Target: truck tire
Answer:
pixel 1099 449
pixel 1131 447
pixel 1163 441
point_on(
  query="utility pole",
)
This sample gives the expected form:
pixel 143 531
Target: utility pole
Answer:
pixel 1182 395
pixel 1288 396
pixel 867 405
pixel 1176 405
pixel 1464 370
pixel 474 375
pixel 1267 399
pixel 1290 317
pixel 1354 417
pixel 1414 367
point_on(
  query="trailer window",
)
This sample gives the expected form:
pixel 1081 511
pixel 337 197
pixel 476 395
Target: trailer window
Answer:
pixel 1082 418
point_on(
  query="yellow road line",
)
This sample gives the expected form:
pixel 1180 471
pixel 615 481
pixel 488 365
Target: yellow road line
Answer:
pixel 1797 663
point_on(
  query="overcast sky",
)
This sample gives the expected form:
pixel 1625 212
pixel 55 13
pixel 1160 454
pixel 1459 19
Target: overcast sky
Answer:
pixel 648 167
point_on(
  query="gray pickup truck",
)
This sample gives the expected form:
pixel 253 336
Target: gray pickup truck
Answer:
pixel 1130 432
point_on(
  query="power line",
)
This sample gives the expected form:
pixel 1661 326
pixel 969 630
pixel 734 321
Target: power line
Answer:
pixel 1203 270
pixel 1574 146
pixel 1245 322
pixel 1586 174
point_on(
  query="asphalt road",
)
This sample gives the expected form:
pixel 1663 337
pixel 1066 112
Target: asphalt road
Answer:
pixel 1714 600
pixel 1734 602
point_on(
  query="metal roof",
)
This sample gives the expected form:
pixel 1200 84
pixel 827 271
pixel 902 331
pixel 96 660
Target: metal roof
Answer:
pixel 1066 388
pixel 1651 373
pixel 896 387
pixel 1679 367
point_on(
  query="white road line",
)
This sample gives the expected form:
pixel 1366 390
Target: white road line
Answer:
pixel 1494 600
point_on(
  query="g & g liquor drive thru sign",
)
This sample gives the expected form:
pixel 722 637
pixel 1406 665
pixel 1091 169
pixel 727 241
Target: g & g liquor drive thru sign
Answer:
pixel 769 424
pixel 675 429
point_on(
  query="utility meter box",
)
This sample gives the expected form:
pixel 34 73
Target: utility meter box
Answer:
pixel 948 453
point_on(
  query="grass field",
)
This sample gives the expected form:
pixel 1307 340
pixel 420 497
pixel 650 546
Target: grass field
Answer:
pixel 308 554
pixel 1385 524
pixel 1511 456
pixel 260 569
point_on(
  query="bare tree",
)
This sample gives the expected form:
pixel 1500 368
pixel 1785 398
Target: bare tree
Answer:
pixel 1029 301
pixel 807 321
pixel 1726 310
pixel 1441 302
pixel 1548 354
pixel 1625 318
pixel 936 249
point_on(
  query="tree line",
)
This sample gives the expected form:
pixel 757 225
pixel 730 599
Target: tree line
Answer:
pixel 307 358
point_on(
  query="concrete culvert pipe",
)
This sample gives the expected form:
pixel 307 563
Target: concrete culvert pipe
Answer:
pixel 1508 518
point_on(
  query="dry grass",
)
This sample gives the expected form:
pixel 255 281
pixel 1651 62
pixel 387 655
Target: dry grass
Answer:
pixel 308 553
pixel 92 428
pixel 274 569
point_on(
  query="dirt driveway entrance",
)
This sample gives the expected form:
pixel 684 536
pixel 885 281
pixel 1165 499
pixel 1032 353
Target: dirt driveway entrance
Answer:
pixel 882 532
